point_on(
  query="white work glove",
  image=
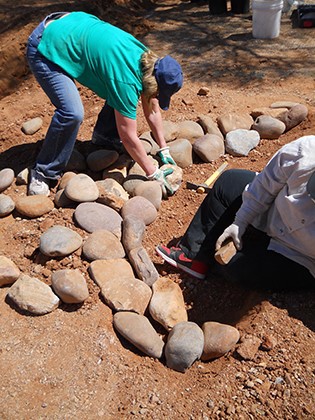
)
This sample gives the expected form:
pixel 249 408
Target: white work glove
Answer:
pixel 165 156
pixel 160 177
pixel 235 231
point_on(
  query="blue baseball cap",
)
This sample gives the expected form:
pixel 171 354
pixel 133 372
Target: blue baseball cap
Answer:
pixel 169 76
pixel 310 187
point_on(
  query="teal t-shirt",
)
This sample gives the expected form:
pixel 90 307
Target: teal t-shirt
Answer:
pixel 98 55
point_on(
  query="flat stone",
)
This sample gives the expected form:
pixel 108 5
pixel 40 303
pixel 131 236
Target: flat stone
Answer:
pixel 138 331
pixel 248 347
pixel 184 346
pixel 9 271
pixel 103 245
pixel 119 288
pixel 167 305
pixel 7 205
pixel 81 188
pixel 33 206
pixel 219 339
pixel 22 177
pixel 32 295
pixel 32 126
pixel 140 207
pixel 111 194
pixel 70 286
pixel 6 178
pixel 59 241
pixel 96 216
pixel 272 112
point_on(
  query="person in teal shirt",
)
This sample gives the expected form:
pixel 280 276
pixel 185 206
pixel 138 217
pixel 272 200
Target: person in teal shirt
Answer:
pixel 77 46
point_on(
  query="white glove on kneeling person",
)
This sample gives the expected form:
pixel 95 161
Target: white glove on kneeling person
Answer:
pixel 235 231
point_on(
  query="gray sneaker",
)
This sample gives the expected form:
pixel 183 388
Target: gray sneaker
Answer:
pixel 39 185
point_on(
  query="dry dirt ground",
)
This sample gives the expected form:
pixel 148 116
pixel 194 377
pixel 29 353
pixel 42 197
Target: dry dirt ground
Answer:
pixel 71 364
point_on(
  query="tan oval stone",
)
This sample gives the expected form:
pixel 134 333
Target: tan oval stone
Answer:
pixel 9 271
pixel 34 205
pixel 81 188
pixel 219 339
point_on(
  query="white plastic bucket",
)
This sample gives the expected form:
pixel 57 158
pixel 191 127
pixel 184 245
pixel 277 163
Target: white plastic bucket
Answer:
pixel 266 18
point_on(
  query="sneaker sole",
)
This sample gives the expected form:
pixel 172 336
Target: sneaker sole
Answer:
pixel 180 266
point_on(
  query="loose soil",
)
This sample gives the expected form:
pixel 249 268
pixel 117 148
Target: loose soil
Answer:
pixel 70 363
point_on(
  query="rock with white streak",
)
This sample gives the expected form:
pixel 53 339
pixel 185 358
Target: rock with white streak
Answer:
pixel 31 295
pixel 143 266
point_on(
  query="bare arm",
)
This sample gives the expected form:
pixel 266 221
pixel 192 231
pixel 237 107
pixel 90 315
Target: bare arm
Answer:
pixel 154 119
pixel 127 129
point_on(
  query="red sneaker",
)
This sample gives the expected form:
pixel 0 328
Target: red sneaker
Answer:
pixel 176 257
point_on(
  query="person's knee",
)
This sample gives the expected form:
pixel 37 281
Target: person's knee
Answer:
pixel 73 116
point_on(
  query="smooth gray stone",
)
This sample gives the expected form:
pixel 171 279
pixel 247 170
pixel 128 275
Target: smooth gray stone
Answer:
pixel 7 205
pixel 32 126
pixel 32 295
pixel 103 245
pixel 70 285
pixel 96 216
pixel 6 178
pixel 240 142
pixel 184 346
pixel 138 331
pixel 59 241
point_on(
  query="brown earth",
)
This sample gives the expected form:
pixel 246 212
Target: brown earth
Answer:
pixel 70 363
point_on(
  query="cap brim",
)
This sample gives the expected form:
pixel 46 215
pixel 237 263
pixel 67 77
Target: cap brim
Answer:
pixel 311 186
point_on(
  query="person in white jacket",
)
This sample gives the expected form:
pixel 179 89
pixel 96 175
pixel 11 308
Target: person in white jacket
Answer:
pixel 270 217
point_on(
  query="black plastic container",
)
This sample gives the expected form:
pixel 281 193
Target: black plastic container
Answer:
pixel 217 7
pixel 239 6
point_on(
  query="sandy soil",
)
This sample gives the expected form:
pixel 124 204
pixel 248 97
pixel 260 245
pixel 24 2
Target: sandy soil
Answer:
pixel 71 364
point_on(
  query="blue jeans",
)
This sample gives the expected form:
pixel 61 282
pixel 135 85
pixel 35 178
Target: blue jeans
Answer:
pixel 68 116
